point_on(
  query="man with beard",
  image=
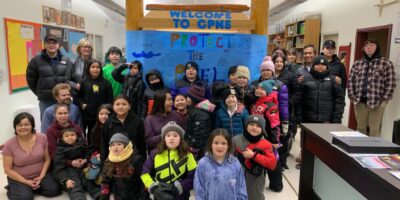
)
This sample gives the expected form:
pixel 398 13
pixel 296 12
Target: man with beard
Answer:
pixel 62 94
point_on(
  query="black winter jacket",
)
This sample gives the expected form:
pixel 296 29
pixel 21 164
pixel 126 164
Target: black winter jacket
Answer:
pixel 43 73
pixel 322 99
pixel 149 92
pixel 93 93
pixel 337 68
pixel 66 152
pixel 290 80
pixel 132 127
pixel 199 125
pixel 132 86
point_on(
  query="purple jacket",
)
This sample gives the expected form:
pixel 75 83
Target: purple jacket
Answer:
pixel 283 100
pixel 153 125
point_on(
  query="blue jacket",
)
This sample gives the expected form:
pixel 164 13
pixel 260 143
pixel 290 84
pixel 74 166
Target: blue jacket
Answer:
pixel 215 181
pixel 234 124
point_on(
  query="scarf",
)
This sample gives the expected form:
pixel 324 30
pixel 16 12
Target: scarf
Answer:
pixel 125 154
pixel 250 138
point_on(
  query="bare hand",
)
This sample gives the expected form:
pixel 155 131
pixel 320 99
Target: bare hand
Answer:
pixel 32 184
pixel 300 79
pixel 248 153
pixel 338 80
pixel 98 157
pixel 78 86
pixel 38 180
pixel 84 106
pixel 276 146
pixel 75 163
pixel 70 183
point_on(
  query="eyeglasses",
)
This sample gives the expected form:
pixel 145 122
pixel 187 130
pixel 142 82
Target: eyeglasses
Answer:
pixel 86 47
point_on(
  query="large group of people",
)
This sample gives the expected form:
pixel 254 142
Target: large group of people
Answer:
pixel 107 131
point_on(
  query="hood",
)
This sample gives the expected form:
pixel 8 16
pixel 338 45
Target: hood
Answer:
pixel 320 75
pixel 79 140
pixel 206 105
pixel 377 54
pixel 158 74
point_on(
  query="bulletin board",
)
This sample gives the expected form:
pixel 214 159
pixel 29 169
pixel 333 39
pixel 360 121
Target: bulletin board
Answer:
pixel 24 40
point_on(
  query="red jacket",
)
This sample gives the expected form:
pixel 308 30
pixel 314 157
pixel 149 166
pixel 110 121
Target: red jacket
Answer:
pixel 266 159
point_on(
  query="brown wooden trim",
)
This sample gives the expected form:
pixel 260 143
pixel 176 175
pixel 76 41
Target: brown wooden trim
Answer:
pixel 205 7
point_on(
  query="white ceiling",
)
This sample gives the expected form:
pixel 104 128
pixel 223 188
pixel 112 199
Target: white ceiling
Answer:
pixel 272 3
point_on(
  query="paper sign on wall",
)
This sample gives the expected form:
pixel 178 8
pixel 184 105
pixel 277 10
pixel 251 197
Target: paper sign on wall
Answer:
pixel 27 32
pixel 215 53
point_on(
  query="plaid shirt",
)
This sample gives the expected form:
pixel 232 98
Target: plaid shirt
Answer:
pixel 381 81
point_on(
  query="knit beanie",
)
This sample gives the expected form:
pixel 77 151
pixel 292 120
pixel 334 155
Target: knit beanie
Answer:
pixel 321 59
pixel 267 85
pixel 243 71
pixel 119 137
pixel 192 64
pixel 228 91
pixel 267 64
pixel 260 121
pixel 172 126
pixel 196 93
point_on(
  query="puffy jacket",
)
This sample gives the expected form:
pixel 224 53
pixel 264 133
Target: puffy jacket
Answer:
pixel 167 167
pixel 234 124
pixel 132 127
pixel 182 86
pixel 148 98
pixel 283 97
pixel 267 107
pixel 199 125
pixel 219 181
pixel 290 80
pixel 53 134
pixel 43 73
pixel 337 68
pixel 322 99
pixel 93 93
pixel 132 86
pixel 66 152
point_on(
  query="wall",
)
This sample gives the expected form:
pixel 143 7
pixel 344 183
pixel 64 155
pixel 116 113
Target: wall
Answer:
pixel 95 22
pixel 344 17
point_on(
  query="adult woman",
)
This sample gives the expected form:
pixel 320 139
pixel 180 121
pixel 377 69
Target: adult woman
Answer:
pixel 61 112
pixel 123 120
pixel 160 115
pixel 84 51
pixel 26 160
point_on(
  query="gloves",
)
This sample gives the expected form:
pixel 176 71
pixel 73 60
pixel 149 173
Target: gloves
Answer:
pixel 285 128
pixel 164 191
pixel 105 191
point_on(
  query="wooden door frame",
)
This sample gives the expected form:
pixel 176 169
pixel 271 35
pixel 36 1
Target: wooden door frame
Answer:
pixel 361 36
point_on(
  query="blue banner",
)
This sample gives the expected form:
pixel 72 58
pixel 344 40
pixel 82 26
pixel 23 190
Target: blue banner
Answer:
pixel 215 53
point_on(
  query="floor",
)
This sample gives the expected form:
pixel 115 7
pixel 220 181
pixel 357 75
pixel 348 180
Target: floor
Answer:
pixel 290 180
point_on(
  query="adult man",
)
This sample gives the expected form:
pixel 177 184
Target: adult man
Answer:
pixel 336 67
pixel 309 52
pixel 46 70
pixel 62 94
pixel 371 85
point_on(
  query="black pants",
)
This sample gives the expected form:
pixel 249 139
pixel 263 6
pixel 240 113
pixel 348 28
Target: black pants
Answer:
pixel 284 151
pixel 48 188
pixel 275 178
pixel 81 185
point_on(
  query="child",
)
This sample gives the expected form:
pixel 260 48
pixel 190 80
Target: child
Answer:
pixel 256 155
pixel 121 171
pixel 132 84
pixel 219 175
pixel 72 147
pixel 114 56
pixel 267 106
pixel 94 91
pixel 155 82
pixel 181 106
pixel 199 123
pixel 232 114
pixel 168 172
pixel 246 89
pixel 103 113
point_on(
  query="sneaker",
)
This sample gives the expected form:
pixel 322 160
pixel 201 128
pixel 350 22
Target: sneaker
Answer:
pixel 298 158
pixel 276 189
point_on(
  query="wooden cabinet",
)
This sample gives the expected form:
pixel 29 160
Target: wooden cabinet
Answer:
pixel 302 33
pixel 297 35
pixel 275 40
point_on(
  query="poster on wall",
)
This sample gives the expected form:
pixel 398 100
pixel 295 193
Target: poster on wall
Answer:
pixel 23 41
pixel 214 52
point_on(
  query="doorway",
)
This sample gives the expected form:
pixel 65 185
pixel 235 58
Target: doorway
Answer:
pixel 383 35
